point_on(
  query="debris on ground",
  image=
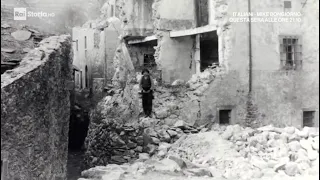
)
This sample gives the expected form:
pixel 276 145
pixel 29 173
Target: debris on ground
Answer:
pixel 228 152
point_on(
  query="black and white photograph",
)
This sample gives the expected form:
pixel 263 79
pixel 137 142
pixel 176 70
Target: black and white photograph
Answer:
pixel 159 89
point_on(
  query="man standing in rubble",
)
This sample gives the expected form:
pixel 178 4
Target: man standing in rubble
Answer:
pixel 147 88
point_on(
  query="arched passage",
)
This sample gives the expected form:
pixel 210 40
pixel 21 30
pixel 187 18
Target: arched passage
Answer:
pixel 86 77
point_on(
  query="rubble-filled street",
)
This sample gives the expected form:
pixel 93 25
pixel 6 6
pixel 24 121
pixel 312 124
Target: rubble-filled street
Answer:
pixel 225 152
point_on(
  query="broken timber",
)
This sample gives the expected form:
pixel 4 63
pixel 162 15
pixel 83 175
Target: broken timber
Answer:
pixel 194 31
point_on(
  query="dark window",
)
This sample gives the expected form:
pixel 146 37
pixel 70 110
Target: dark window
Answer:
pixel 85 42
pixel 225 116
pixel 291 54
pixel 86 75
pixel 149 61
pixel 287 4
pixel 308 118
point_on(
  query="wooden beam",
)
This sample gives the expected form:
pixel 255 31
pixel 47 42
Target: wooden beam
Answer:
pixel 194 31
pixel 146 39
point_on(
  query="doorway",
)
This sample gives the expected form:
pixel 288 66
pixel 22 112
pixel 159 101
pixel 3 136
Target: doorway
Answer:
pixel 209 51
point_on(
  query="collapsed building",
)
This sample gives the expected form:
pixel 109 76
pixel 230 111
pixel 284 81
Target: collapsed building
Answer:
pixel 274 65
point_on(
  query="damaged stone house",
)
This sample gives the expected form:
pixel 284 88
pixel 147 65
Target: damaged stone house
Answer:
pixel 94 47
pixel 277 63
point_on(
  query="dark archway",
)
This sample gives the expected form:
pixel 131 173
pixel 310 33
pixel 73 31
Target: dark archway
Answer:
pixel 78 127
pixel 87 77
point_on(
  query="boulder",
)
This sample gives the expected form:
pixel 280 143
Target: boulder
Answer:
pixel 172 133
pixel 151 149
pixel 312 154
pixel 144 156
pixel 182 164
pixel 8 50
pixel 164 146
pixel 178 82
pixel 151 132
pixel 21 35
pixel 315 144
pixel 190 111
pixel 302 156
pixel 200 172
pixel 289 130
pixel 169 121
pixel 180 124
pixel 148 122
pixel 166 165
pixel 155 140
pixel 294 137
pixel 228 133
pixel 164 136
pixel 257 173
pixel 305 144
pixel 279 166
pixel 162 113
pixel 284 137
pixel 294 146
pixel 291 169
pixel 312 131
pixel 303 134
pixel 303 166
pixel 257 162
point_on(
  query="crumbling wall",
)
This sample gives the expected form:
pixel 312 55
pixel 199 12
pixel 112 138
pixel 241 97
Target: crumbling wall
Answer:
pixel 137 53
pixel 175 57
pixel 173 15
pixel 124 69
pixel 136 16
pixel 35 112
pixel 112 33
pixel 273 106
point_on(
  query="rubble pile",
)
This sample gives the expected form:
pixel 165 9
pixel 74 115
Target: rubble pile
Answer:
pixel 16 43
pixel 229 152
pixel 283 150
pixel 109 142
pixel 199 83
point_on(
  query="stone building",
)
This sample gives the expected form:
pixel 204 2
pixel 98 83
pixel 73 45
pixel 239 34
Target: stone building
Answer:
pixel 94 48
pixel 275 63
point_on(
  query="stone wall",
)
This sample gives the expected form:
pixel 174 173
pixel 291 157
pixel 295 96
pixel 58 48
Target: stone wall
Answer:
pixel 173 15
pixel 137 17
pixel 112 41
pixel 137 53
pixel 35 112
pixel 280 96
pixel 175 57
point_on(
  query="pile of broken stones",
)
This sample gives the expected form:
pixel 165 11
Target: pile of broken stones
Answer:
pixel 266 153
pixel 110 142
pixel 284 150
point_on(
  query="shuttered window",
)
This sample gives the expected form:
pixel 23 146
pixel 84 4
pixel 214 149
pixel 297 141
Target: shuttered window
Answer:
pixel 290 53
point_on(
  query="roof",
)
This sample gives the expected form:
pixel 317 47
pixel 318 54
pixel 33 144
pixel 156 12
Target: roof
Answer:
pixel 76 68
